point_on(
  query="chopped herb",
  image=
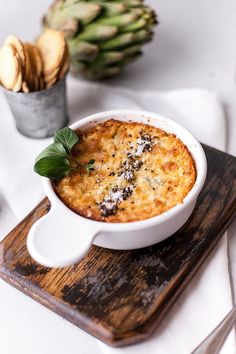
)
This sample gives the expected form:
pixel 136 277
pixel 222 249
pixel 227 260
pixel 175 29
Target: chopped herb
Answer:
pixel 90 166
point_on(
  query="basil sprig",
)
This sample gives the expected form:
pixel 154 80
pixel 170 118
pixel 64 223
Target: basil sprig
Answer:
pixel 67 138
pixel 56 161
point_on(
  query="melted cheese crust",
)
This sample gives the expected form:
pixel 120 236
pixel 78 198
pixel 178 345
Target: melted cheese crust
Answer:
pixel 166 176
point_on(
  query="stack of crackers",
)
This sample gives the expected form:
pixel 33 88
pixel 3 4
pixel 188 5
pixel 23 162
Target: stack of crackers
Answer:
pixel 27 67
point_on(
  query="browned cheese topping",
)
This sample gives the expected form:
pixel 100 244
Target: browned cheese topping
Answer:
pixel 140 171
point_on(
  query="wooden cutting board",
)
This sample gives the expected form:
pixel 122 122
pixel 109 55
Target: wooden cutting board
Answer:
pixel 121 296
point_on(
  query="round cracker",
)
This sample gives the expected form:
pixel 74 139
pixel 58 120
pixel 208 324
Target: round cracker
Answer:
pixel 51 83
pixel 41 82
pixel 31 72
pixel 52 47
pixel 25 87
pixel 18 84
pixel 30 50
pixel 28 68
pixel 65 68
pixel 10 66
pixel 51 76
pixel 66 64
pixel 18 45
pixel 37 59
pixel 35 83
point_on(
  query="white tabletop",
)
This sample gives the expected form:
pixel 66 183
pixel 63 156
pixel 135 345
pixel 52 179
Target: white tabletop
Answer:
pixel 195 46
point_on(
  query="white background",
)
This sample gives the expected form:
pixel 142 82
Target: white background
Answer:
pixel 195 46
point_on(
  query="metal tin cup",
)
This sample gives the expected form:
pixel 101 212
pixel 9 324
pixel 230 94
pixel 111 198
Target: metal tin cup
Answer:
pixel 39 114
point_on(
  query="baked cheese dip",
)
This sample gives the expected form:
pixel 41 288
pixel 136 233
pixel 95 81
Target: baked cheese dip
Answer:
pixel 139 172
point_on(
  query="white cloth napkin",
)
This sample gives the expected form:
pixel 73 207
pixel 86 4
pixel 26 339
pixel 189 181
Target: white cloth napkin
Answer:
pixel 208 298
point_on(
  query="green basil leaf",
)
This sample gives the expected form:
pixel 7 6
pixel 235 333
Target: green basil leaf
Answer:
pixel 55 149
pixel 53 167
pixel 67 137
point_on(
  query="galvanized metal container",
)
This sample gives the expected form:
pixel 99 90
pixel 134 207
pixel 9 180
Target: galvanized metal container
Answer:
pixel 39 114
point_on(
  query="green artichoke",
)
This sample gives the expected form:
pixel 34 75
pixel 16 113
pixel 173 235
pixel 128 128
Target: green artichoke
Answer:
pixel 103 35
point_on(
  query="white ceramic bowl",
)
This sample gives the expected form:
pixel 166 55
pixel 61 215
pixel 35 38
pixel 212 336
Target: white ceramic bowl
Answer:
pixel 62 237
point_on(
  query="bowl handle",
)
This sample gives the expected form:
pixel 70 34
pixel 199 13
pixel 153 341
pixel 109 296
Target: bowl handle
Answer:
pixel 58 240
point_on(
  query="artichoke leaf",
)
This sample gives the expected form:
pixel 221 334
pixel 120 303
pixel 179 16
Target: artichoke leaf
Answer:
pixel 97 33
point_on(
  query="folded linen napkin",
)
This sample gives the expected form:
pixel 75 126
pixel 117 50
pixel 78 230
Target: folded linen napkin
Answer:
pixel 208 298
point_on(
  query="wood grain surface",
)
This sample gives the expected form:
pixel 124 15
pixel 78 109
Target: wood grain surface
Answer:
pixel 120 297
